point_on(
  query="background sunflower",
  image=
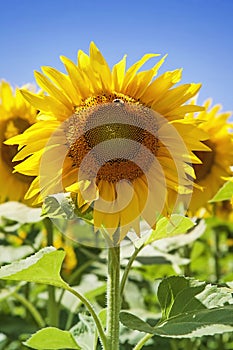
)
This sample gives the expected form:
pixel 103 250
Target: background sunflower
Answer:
pixel 216 165
pixel 16 115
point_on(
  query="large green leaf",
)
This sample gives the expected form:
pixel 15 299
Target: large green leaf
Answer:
pixel 190 308
pixel 42 267
pixel 178 295
pixel 52 338
pixel 188 325
pixel 225 193
pixel 170 227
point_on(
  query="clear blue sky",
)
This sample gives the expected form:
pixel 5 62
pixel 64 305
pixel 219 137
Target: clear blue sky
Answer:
pixel 197 35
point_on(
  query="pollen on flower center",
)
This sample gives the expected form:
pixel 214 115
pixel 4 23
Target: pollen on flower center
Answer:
pixel 207 158
pixel 115 139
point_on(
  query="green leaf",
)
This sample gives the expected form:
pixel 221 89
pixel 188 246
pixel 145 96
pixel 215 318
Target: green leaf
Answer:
pixel 84 332
pixel 61 209
pixel 20 212
pixel 199 323
pixel 156 257
pixel 169 227
pixel 133 322
pixel 173 243
pixel 189 325
pixel 52 338
pixel 177 294
pixel 225 193
pixel 10 253
pixel 58 206
pixel 42 267
pixel 190 308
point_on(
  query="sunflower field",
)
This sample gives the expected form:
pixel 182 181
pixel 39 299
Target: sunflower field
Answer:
pixel 116 218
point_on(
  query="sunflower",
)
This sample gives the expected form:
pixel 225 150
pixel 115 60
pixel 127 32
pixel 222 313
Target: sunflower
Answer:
pixel 16 115
pixel 216 165
pixel 117 140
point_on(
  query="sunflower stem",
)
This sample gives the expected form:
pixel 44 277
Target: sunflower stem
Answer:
pixel 143 341
pixel 52 304
pixel 31 308
pixel 96 319
pixel 217 254
pixel 113 298
pixel 127 269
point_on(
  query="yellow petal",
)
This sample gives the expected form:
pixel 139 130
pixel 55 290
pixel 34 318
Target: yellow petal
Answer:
pixel 47 86
pixel 30 165
pixel 134 68
pixel 160 86
pixel 118 73
pixel 76 78
pixel 138 85
pixel 100 66
pixel 88 72
pixel 6 95
pixel 62 81
pixel 46 104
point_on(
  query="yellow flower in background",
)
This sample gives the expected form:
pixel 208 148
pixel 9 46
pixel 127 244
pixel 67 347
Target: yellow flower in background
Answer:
pixel 16 115
pixel 116 139
pixel 224 210
pixel 70 261
pixel 216 165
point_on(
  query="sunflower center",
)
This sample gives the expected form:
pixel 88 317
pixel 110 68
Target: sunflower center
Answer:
pixel 112 138
pixel 14 126
pixel 207 158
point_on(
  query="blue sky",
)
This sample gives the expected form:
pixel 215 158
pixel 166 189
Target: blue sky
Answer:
pixel 196 34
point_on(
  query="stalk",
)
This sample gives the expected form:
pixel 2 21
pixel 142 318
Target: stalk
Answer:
pixel 113 298
pixel 52 304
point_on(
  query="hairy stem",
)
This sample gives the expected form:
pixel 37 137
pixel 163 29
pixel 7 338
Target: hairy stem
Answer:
pixel 52 304
pixel 127 269
pixel 217 254
pixel 93 314
pixel 143 341
pixel 113 298
pixel 31 308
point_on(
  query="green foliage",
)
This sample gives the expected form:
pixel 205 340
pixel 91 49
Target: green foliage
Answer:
pixel 19 212
pixel 52 338
pixel 189 309
pixel 62 206
pixel 58 206
pixel 84 332
pixel 170 227
pixel 42 267
pixel 225 193
pixel 178 312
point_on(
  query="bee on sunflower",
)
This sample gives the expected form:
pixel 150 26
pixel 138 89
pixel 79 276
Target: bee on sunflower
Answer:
pixel 117 140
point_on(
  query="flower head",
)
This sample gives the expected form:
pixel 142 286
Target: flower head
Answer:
pixel 216 165
pixel 16 115
pixel 116 139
